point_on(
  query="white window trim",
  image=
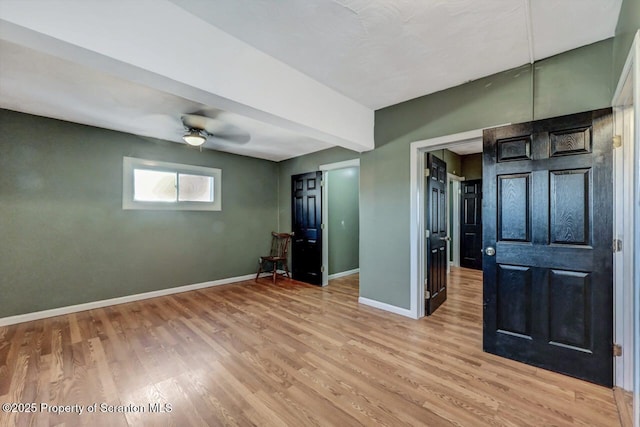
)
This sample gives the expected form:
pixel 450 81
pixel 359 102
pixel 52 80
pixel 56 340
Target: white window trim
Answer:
pixel 131 163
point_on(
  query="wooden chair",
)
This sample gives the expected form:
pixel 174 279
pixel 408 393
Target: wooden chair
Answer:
pixel 278 254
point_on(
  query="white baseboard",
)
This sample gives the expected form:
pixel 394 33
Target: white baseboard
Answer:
pixel 344 273
pixel 11 320
pixel 386 307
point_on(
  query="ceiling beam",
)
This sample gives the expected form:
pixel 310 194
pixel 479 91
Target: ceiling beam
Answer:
pixel 139 41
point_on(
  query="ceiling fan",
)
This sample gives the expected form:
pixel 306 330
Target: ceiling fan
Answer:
pixel 200 129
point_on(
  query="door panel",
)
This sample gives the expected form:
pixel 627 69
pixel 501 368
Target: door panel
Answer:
pixel 548 290
pixel 306 245
pixel 570 207
pixel 569 307
pixel 436 243
pixel 515 204
pixel 471 224
pixel 514 299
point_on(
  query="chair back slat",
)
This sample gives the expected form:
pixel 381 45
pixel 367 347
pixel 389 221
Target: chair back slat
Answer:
pixel 277 256
pixel 280 244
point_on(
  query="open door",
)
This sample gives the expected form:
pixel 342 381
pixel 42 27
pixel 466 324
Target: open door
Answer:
pixel 306 217
pixel 547 226
pixel 436 239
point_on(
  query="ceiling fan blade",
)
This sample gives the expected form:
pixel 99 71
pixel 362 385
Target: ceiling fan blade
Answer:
pixel 217 129
pixel 195 121
pixel 230 138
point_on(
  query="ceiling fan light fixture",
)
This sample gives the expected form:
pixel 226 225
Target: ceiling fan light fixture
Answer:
pixel 195 137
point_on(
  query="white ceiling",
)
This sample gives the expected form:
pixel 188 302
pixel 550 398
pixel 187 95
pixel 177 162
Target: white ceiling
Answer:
pixel 48 86
pixel 328 64
pixel 382 52
pixel 471 147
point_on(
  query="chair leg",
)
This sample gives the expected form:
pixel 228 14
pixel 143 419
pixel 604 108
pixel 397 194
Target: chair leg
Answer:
pixel 275 271
pixel 286 269
pixel 259 270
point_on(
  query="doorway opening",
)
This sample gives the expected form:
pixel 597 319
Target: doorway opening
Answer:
pixel 458 232
pixel 417 224
pixel 340 219
pixel 453 219
pixel 453 148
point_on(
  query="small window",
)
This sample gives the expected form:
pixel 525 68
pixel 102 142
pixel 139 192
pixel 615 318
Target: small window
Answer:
pixel 155 185
pixel 195 188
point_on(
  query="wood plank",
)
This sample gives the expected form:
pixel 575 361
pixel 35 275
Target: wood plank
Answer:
pixel 255 353
pixel 624 402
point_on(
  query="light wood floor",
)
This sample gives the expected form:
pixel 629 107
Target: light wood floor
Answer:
pixel 289 354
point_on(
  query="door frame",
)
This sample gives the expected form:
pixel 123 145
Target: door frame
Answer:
pixel 325 212
pixel 627 224
pixel 453 199
pixel 416 210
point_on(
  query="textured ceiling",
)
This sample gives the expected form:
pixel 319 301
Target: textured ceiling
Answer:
pixel 382 52
pixel 293 68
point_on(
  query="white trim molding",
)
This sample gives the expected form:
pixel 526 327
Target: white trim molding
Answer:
pixel 302 105
pixel 416 214
pixel 354 163
pixel 386 307
pixel 627 226
pixel 129 166
pixel 340 165
pixel 37 315
pixel 344 273
pixel 453 200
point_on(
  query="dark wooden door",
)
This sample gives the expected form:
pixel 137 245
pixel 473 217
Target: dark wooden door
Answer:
pixel 436 222
pixel 471 224
pixel 548 288
pixel 306 215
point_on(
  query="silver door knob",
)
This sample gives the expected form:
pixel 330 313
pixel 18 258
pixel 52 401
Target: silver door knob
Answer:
pixel 447 238
pixel 490 251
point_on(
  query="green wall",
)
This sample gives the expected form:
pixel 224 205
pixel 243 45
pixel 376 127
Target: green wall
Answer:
pixel 472 166
pixel 310 162
pixel 574 81
pixel 628 25
pixel 344 220
pixel 66 240
pixel 570 82
pixel 453 161
pixel 578 80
